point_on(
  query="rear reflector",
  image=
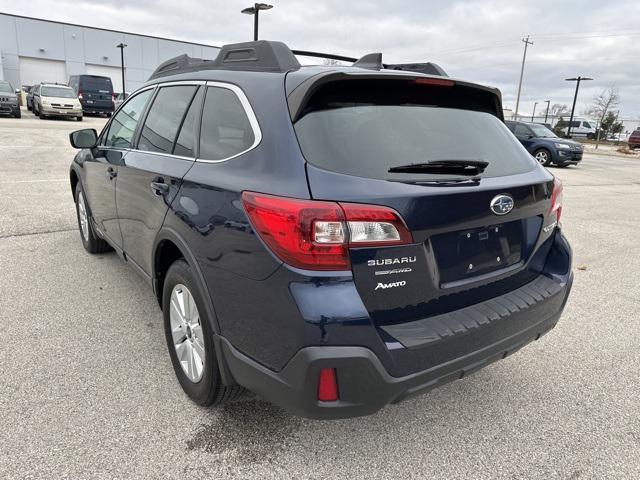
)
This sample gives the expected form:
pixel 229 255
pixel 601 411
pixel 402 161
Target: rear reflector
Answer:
pixel 316 235
pixel 327 385
pixel 556 199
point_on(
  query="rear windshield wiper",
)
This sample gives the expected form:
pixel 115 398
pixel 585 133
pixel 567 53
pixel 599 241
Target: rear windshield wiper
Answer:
pixel 442 182
pixel 444 167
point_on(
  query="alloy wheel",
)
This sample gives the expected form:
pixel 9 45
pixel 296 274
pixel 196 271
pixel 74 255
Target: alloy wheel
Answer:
pixel 83 217
pixel 186 332
pixel 542 157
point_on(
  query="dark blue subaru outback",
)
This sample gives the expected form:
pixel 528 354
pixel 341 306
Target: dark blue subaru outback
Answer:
pixel 323 236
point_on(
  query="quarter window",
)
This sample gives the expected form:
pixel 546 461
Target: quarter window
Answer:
pixel 165 117
pixel 226 130
pixel 124 123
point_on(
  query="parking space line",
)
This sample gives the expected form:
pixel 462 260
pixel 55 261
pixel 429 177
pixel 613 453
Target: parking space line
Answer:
pixel 36 181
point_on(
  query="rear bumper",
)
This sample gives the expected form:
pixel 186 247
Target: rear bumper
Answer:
pixel 364 384
pixel 89 108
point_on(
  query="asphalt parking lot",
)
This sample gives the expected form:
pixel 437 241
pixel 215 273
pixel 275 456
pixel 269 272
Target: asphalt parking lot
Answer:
pixel 87 389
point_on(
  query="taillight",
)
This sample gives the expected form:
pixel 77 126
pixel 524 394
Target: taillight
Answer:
pixel 327 385
pixel 556 199
pixel 316 235
pixel 373 225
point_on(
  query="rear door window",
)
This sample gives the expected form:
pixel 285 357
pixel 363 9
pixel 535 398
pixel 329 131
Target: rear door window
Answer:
pixel 365 127
pixel 226 130
pixel 522 130
pixel 124 123
pixel 165 118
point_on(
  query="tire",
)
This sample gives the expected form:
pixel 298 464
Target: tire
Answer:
pixel 79 119
pixel 91 242
pixel 200 379
pixel 18 114
pixel 109 115
pixel 29 108
pixel 35 111
pixel 591 136
pixel 543 156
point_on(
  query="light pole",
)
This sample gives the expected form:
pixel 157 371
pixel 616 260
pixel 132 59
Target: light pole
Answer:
pixel 575 97
pixel 546 114
pixel 254 11
pixel 534 111
pixel 122 46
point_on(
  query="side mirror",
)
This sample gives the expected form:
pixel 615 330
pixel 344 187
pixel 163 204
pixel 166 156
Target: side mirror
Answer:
pixel 17 91
pixel 86 138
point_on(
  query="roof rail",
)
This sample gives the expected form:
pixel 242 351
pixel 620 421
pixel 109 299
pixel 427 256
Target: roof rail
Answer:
pixel 263 56
pixel 374 61
pixel 268 56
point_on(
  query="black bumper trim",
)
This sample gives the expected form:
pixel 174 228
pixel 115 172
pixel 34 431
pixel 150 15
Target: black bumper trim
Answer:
pixel 421 333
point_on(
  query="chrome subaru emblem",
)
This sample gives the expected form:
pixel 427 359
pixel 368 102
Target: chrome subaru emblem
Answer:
pixel 501 204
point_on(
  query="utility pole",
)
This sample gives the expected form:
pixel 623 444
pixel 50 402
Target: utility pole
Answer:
pixel 524 58
pixel 122 46
pixel 534 110
pixel 575 97
pixel 546 114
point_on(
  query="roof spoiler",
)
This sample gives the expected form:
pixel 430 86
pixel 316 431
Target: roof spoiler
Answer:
pixel 269 56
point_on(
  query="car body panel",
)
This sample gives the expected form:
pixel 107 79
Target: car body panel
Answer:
pixel 275 325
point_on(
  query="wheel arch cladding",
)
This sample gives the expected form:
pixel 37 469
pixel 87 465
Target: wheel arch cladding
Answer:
pixel 73 178
pixel 167 252
pixel 168 248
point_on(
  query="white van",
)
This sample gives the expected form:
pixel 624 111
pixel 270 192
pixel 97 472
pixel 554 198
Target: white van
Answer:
pixel 581 128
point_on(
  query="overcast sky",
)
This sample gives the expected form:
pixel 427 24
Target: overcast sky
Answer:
pixel 474 40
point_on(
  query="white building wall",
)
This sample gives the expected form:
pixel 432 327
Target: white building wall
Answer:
pixel 79 46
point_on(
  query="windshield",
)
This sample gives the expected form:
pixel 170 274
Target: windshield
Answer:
pixel 64 92
pixel 5 88
pixel 541 131
pixel 366 141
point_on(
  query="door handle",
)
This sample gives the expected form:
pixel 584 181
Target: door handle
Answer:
pixel 159 187
pixel 111 173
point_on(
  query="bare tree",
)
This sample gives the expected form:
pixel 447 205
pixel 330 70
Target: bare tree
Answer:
pixel 603 103
pixel 558 109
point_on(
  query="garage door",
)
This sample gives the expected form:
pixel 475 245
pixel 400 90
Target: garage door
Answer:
pixel 114 73
pixel 36 70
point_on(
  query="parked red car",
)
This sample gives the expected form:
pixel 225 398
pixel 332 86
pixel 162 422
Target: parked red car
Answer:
pixel 634 139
